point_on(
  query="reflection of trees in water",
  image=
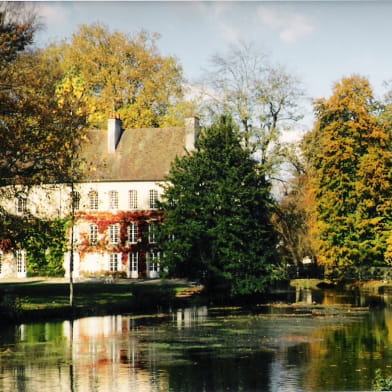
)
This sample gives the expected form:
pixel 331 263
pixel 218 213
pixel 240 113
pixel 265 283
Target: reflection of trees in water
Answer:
pixel 192 351
pixel 345 356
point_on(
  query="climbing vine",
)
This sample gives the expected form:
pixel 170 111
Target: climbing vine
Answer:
pixel 103 220
pixel 45 243
pixel 43 240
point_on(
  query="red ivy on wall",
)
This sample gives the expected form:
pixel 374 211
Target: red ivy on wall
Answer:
pixel 124 218
pixel 6 245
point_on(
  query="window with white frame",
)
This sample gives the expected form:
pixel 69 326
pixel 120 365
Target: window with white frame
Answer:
pixel 93 200
pixel 153 198
pixel 153 259
pixel 132 199
pixel 93 234
pixel 75 200
pixel 153 232
pixel 21 204
pixel 134 261
pixel 20 261
pixel 113 200
pixel 114 262
pixel 114 233
pixel 132 233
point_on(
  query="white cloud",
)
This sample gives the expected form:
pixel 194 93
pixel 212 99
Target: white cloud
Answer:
pixel 230 34
pixel 291 26
pixel 53 13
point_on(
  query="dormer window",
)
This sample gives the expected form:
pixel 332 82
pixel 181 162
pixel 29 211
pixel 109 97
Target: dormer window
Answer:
pixel 93 200
pixel 113 200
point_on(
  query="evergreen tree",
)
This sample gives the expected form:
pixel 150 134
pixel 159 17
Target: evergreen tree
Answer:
pixel 217 223
pixel 350 158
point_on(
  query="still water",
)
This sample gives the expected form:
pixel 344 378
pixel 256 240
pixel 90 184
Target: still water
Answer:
pixel 204 349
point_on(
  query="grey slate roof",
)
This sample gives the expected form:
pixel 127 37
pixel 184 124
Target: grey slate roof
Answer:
pixel 141 154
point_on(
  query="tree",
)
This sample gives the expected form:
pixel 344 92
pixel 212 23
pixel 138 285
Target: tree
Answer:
pixel 42 121
pixel 291 221
pixel 264 99
pixel 17 28
pixel 350 160
pixel 217 215
pixel 123 74
pixel 37 143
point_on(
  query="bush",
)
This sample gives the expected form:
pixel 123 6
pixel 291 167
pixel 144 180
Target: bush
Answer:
pixel 381 383
pixel 11 306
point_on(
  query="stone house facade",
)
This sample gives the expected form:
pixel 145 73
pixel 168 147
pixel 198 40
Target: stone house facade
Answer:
pixel 114 204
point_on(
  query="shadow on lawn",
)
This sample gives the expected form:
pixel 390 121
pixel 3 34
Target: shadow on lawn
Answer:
pixel 39 300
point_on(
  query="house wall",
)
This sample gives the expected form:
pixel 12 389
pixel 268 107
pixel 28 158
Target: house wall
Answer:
pixel 51 202
pixel 112 154
pixel 94 259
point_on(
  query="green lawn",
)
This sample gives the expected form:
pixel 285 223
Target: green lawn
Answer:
pixel 43 299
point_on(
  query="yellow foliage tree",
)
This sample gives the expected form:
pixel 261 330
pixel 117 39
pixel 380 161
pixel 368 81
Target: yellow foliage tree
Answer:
pixel 350 159
pixel 123 74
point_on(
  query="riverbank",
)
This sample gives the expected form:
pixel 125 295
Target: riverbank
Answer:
pixel 40 299
pixel 37 299
pixel 374 286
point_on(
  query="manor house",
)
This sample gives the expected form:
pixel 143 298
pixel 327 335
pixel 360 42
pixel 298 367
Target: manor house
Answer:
pixel 115 204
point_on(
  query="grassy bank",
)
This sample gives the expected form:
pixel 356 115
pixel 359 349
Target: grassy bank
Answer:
pixel 49 299
pixel 376 286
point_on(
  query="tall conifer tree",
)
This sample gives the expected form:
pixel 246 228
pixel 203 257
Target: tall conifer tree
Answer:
pixel 350 158
pixel 218 208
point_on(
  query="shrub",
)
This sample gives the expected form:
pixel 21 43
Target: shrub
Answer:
pixel 381 383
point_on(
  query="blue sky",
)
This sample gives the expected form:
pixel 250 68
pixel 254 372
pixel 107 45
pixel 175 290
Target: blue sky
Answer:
pixel 318 41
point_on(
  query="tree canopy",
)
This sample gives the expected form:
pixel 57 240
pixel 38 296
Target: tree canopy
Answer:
pixel 123 74
pixel 217 206
pixel 263 98
pixel 350 162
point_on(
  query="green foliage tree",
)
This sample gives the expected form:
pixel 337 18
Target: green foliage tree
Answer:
pixel 350 159
pixel 123 74
pixel 217 206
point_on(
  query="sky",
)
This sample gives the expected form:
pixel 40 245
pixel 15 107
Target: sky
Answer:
pixel 317 41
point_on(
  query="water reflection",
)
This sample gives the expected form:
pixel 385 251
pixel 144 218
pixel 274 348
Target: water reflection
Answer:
pixel 191 316
pixel 201 349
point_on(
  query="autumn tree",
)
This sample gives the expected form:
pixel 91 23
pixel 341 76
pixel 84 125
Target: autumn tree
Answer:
pixel 349 155
pixel 123 74
pixel 264 99
pixel 217 227
pixel 17 27
pixel 42 120
pixel 292 214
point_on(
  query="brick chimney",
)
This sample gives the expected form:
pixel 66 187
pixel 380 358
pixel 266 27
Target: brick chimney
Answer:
pixel 114 133
pixel 192 128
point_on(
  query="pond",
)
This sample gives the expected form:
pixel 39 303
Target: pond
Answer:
pixel 301 347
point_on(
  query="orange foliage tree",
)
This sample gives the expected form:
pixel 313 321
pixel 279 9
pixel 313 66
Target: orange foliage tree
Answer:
pixel 349 157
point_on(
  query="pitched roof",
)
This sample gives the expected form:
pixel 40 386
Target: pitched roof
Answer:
pixel 141 154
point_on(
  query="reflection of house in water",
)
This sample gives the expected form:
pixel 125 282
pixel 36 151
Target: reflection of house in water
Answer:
pixel 303 295
pixel 105 352
pixel 191 316
pixel 112 353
